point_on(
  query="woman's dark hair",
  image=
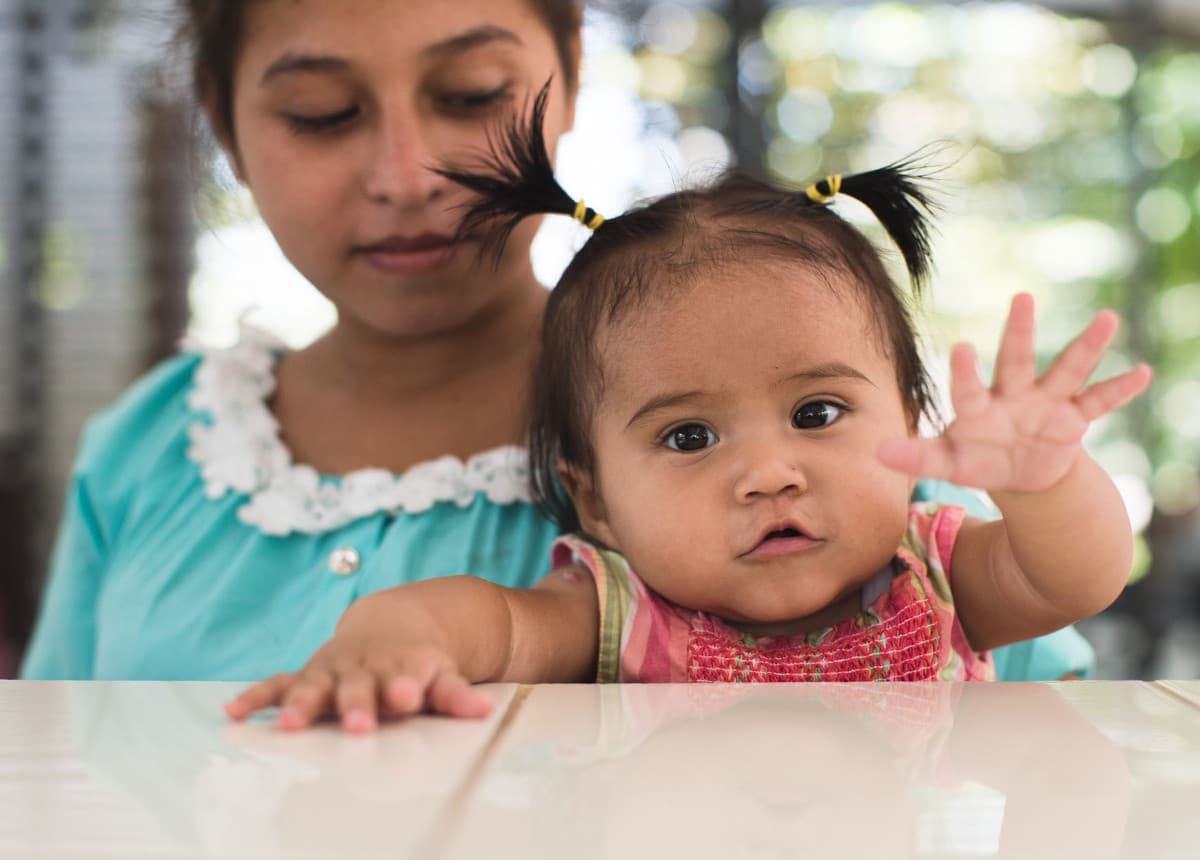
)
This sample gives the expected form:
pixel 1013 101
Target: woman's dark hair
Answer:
pixel 670 243
pixel 213 31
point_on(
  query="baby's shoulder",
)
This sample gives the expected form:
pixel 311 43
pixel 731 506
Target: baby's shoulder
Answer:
pixel 932 531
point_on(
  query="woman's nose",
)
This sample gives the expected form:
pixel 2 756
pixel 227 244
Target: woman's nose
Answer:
pixel 398 171
pixel 769 469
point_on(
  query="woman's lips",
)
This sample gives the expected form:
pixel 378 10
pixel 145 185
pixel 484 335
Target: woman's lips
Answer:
pixel 416 257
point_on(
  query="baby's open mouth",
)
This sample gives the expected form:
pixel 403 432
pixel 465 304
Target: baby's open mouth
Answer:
pixel 781 539
pixel 784 533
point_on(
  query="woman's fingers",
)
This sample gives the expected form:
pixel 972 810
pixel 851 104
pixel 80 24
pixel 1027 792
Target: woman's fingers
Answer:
pixel 1016 366
pixel 1070 371
pixel 264 694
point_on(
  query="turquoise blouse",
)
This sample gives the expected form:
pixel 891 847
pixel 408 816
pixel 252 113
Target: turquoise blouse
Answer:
pixel 191 547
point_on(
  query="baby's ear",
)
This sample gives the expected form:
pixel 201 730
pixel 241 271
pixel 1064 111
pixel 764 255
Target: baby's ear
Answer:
pixel 588 502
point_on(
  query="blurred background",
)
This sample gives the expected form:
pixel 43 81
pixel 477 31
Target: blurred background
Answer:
pixel 1071 132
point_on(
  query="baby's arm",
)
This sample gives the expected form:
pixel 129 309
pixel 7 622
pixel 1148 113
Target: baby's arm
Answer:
pixel 1064 546
pixel 419 647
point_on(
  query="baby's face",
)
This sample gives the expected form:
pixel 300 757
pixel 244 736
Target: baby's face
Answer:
pixel 735 445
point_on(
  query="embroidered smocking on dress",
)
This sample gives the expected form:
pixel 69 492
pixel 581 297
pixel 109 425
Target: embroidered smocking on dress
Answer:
pixel 908 632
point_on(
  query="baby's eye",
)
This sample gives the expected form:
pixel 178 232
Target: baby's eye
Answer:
pixel 690 437
pixel 817 414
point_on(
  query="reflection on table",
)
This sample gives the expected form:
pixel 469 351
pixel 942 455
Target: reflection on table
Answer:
pixel 1081 769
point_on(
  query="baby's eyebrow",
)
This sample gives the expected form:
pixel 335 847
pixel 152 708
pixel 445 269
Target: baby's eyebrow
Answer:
pixel 661 402
pixel 829 370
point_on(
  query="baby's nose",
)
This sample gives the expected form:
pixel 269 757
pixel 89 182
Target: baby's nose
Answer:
pixel 771 471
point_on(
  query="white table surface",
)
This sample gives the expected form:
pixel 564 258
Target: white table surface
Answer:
pixel 1078 769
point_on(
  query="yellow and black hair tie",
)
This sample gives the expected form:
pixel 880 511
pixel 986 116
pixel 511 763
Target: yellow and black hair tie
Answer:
pixel 587 216
pixel 832 185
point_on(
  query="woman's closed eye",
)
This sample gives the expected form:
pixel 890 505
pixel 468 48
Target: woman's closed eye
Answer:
pixel 817 414
pixel 465 103
pixel 320 122
pixel 689 438
pixel 468 102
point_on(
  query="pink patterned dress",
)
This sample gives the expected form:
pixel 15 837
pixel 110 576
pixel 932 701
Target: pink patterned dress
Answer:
pixel 907 629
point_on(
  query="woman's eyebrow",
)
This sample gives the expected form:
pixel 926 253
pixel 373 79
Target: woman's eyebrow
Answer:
pixel 302 63
pixel 465 41
pixel 473 38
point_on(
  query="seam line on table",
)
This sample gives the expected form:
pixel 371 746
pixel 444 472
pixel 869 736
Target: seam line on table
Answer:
pixel 441 832
pixel 1169 691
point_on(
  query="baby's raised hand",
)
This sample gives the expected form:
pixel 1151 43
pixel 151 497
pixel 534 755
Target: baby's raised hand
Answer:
pixel 1023 433
pixel 363 672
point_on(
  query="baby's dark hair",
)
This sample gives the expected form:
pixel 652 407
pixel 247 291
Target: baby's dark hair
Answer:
pixel 671 243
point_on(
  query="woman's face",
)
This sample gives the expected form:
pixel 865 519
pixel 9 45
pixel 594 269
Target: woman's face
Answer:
pixel 340 108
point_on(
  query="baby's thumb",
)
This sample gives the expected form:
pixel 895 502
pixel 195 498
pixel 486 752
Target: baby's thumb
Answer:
pixel 920 458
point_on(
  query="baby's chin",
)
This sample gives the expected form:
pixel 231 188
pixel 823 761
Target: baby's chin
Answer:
pixel 783 599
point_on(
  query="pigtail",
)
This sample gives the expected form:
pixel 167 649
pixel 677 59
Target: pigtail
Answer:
pixel 895 197
pixel 514 181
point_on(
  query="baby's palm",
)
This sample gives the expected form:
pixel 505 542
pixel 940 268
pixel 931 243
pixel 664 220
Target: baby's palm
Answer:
pixel 1023 433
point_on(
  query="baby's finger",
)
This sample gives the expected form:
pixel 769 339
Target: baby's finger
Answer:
pixel 406 692
pixel 1016 366
pixel 1111 394
pixel 450 694
pixel 309 698
pixel 921 458
pixel 358 699
pixel 1070 371
pixel 968 394
pixel 264 694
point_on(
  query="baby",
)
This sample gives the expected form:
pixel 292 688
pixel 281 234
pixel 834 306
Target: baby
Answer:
pixel 725 424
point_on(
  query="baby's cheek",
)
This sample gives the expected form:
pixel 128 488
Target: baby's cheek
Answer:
pixel 883 514
pixel 662 556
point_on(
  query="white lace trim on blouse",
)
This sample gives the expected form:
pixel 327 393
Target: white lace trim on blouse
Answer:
pixel 240 450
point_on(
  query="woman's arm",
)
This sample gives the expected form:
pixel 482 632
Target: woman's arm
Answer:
pixel 418 647
pixel 64 641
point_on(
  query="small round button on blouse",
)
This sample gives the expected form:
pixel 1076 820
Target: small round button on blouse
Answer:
pixel 344 560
